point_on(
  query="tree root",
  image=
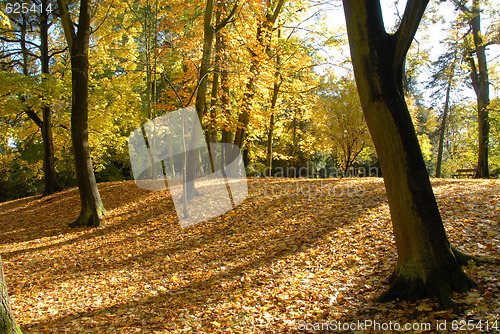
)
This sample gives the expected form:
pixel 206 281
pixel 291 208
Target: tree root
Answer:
pixel 89 218
pixel 52 190
pixel 89 221
pixel 408 284
pixel 464 258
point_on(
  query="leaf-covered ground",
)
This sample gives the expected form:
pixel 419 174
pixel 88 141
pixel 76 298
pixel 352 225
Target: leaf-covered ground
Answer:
pixel 297 255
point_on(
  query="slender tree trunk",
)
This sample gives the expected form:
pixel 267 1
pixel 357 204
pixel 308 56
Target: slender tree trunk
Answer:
pixel 193 156
pixel 208 38
pixel 45 124
pixel 211 129
pixel 269 155
pixel 227 134
pixel 264 31
pixel 212 126
pixel 426 264
pixel 294 137
pixel 244 116
pixel 225 99
pixel 274 100
pixel 442 129
pixel 51 184
pixel 449 75
pixel 8 324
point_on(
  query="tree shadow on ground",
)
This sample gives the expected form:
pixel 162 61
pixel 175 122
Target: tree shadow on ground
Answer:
pixel 38 217
pixel 141 272
pixel 262 231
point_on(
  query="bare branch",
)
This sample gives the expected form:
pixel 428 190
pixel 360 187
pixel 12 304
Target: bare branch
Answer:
pixel 224 22
pixel 272 19
pixel 406 32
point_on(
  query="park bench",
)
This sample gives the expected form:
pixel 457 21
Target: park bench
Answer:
pixel 464 172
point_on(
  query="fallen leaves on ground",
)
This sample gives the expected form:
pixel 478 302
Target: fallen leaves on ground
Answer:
pixel 296 252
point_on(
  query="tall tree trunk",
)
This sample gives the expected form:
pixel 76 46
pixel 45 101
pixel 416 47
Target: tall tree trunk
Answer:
pixel 426 266
pixel 225 101
pixel 45 124
pixel 449 75
pixel 481 83
pixel 269 153
pixel 92 208
pixel 209 32
pixel 270 133
pixel 274 100
pixel 264 31
pixel 442 129
pixel 189 189
pixel 294 137
pixel 212 125
pixel 227 135
pixel 8 324
pixel 51 184
pixel 211 129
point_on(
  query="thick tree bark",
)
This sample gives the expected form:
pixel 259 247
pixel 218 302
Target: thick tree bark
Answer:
pixel 8 324
pixel 426 265
pixel 92 208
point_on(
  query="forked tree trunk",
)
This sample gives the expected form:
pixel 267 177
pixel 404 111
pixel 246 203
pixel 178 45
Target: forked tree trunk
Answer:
pixel 426 264
pixel 92 208
pixel 8 324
